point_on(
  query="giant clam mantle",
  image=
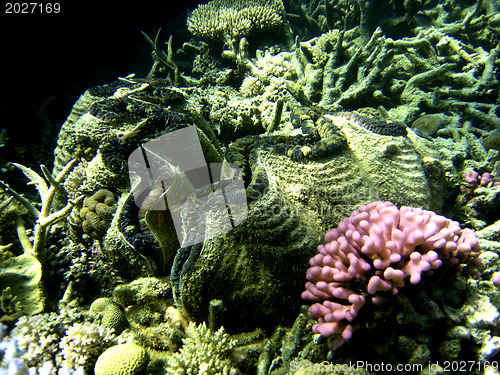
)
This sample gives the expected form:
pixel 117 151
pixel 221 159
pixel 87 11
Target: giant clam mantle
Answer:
pixel 299 183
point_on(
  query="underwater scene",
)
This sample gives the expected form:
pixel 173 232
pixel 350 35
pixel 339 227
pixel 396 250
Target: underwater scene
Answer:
pixel 259 187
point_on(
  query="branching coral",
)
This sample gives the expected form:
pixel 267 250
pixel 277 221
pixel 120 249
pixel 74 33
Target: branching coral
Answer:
pixel 26 269
pixel 47 188
pixel 373 251
pixel 220 19
pixel 203 351
pixel 57 342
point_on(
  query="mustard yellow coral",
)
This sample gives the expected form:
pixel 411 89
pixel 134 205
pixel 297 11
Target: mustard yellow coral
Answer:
pixel 237 18
pixel 123 359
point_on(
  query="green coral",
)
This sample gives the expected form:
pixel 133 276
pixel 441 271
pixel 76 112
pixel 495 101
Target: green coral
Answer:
pixel 109 313
pixel 203 352
pixel 123 359
pixel 97 213
pixel 229 18
pixel 61 341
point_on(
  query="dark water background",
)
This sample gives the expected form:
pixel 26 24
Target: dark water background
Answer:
pixel 48 60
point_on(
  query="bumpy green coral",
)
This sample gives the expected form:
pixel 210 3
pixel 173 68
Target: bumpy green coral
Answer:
pixel 97 212
pixel 221 18
pixel 123 359
pixel 109 313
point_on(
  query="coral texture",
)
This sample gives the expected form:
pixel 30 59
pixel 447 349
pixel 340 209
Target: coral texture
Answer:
pixel 57 342
pixel 203 352
pixel 109 313
pixel 97 212
pixel 123 359
pixel 221 18
pixel 473 180
pixel 376 249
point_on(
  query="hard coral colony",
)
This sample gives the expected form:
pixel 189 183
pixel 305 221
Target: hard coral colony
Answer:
pixel 374 251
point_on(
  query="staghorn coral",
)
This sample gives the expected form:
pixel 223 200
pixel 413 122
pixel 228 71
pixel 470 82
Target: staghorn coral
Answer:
pixel 25 271
pixel 377 248
pixel 47 186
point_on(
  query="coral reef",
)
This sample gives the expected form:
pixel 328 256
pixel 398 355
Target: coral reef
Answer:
pixel 380 246
pixel 301 199
pixel 324 106
pixel 55 341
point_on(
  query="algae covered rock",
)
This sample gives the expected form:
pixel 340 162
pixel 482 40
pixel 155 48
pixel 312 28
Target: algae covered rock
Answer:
pixel 22 275
pixel 123 359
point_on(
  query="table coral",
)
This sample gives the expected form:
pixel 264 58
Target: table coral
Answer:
pixel 375 250
pixel 220 19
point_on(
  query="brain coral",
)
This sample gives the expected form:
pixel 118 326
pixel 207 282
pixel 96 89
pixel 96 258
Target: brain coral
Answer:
pixel 375 250
pixel 222 18
pixel 123 359
pixel 109 313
